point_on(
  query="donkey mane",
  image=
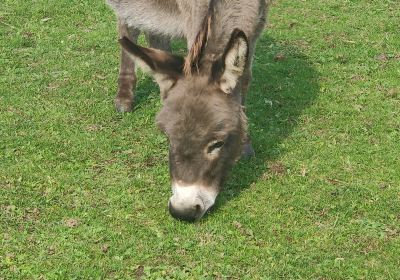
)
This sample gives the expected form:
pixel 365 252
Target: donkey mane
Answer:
pixel 197 49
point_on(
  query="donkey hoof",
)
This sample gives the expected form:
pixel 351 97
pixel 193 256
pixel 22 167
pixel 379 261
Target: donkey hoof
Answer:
pixel 123 105
pixel 248 151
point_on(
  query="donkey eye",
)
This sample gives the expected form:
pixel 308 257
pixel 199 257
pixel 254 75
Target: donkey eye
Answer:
pixel 215 147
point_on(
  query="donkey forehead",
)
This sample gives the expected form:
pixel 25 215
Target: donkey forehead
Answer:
pixel 198 114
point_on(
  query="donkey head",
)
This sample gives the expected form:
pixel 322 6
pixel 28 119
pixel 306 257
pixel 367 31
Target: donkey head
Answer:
pixel 203 119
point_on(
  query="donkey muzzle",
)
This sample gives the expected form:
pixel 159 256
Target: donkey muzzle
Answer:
pixel 190 202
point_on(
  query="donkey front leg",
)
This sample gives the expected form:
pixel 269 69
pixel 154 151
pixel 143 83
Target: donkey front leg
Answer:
pixel 127 76
pixel 162 43
pixel 248 150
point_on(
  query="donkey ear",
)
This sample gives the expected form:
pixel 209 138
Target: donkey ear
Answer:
pixel 163 66
pixel 230 67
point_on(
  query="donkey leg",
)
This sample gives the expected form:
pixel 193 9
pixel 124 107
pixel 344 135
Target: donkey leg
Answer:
pixel 158 42
pixel 245 83
pixel 247 150
pixel 127 76
pixel 161 43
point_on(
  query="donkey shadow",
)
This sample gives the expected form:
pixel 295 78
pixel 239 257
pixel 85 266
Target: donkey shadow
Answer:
pixel 284 85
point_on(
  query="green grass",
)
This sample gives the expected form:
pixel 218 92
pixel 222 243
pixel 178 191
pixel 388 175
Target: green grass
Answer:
pixel 83 189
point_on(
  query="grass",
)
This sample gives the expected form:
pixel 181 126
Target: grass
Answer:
pixel 83 189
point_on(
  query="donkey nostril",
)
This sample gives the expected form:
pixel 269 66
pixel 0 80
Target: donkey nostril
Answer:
pixel 198 208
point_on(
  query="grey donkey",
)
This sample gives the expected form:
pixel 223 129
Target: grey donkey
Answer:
pixel 203 94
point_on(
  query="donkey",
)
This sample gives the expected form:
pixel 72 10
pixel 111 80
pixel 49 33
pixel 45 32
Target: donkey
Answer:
pixel 203 94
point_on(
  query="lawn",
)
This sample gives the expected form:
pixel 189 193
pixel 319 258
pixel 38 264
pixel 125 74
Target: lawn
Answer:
pixel 84 189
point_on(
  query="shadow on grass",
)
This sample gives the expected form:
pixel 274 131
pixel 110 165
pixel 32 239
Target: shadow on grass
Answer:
pixel 282 87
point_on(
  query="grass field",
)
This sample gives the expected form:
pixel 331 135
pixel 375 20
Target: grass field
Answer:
pixel 84 190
